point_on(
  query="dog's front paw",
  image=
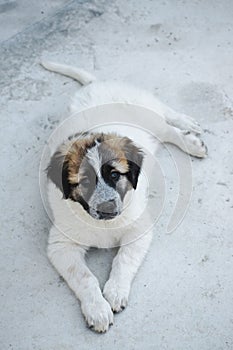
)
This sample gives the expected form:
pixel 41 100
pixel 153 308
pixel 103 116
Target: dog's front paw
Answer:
pixel 98 315
pixel 116 294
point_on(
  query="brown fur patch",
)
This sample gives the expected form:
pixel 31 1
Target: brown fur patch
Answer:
pixel 111 146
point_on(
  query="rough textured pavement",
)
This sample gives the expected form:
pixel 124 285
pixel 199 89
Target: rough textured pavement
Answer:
pixel 182 51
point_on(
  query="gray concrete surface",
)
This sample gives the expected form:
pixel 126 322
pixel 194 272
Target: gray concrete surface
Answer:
pixel 181 50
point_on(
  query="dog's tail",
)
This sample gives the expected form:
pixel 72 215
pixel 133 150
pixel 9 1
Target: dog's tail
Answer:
pixel 78 74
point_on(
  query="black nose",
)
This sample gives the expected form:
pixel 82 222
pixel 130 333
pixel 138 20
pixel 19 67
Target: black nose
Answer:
pixel 107 210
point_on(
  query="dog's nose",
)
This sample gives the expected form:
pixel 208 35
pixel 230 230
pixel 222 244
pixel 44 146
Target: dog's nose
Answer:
pixel 107 210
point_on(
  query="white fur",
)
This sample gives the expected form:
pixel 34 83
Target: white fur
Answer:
pixel 74 230
pixel 94 159
pixel 76 73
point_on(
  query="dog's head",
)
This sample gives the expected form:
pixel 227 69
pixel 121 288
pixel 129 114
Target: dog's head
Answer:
pixel 97 170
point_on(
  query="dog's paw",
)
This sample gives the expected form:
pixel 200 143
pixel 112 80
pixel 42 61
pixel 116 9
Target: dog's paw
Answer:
pixel 117 295
pixel 98 315
pixel 185 122
pixel 194 145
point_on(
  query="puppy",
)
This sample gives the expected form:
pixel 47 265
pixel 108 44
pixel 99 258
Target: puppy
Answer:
pixel 96 189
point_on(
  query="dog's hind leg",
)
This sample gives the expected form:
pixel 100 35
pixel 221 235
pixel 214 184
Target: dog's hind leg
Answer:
pixel 181 121
pixel 188 141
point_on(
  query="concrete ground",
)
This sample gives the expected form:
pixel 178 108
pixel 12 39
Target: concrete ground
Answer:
pixel 180 50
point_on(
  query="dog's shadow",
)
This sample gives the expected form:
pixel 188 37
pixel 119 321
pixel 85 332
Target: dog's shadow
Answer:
pixel 100 261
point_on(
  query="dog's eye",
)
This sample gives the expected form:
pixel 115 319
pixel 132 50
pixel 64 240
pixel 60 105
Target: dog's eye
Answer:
pixel 114 175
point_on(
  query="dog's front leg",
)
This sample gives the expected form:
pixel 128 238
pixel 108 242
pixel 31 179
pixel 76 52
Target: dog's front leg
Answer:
pixel 124 268
pixel 69 260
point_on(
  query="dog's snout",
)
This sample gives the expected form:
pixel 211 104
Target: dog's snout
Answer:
pixel 107 207
pixel 107 210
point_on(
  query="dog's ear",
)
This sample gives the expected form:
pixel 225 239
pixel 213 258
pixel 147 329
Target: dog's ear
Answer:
pixel 134 156
pixel 57 171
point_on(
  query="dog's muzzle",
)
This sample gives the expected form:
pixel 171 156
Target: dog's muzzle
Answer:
pixel 107 210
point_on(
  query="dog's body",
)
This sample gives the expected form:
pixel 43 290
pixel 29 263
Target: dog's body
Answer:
pixel 98 175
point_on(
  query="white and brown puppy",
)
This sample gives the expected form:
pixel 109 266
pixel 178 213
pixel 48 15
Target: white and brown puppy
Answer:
pixel 91 178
